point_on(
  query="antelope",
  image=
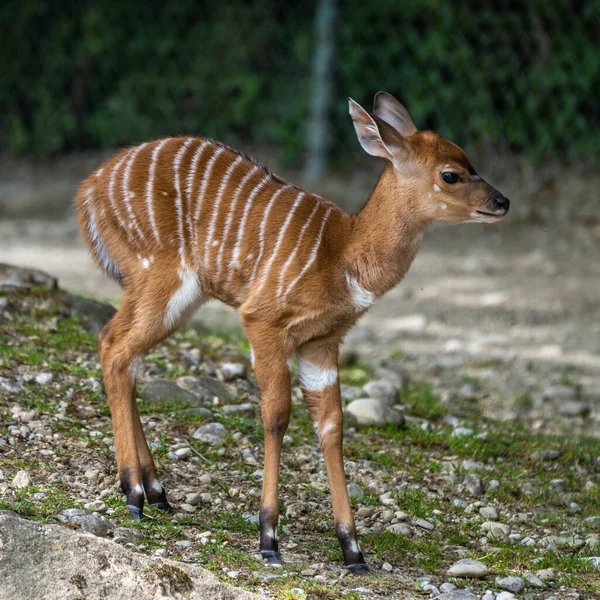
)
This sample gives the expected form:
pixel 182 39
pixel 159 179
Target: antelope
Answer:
pixel 181 220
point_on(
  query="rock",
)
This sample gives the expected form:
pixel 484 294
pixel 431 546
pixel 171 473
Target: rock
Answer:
pixel 211 433
pixel 559 485
pixel 505 596
pixel 489 513
pixel 447 587
pixel 467 567
pixel 387 567
pixel 574 408
pixel 206 389
pixel 350 392
pixel 383 391
pixel 532 580
pixel 423 524
pixel 559 392
pixel 546 574
pixel 369 411
pixel 126 535
pixel 462 432
pixel 10 387
pixel 20 277
pixel 159 390
pixel 199 411
pixel 90 522
pixel 44 378
pixel 193 499
pixel 495 531
pixel 512 583
pixel 95 314
pixel 245 408
pixel 55 563
pixel 183 453
pixel 183 544
pixel 458 595
pixel 95 506
pixel 473 484
pixel 401 529
pixel 233 371
pixel 355 492
pixel 22 479
pixel 546 454
pixel 593 522
pixel 252 519
pixel 248 457
pixel 593 561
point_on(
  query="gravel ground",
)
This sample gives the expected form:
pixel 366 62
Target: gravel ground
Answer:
pixel 456 495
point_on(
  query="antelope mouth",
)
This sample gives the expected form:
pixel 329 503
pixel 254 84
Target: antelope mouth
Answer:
pixel 487 217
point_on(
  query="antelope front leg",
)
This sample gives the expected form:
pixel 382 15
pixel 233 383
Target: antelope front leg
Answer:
pixel 273 377
pixel 319 380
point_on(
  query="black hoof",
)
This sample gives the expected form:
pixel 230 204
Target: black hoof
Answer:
pixel 271 557
pixel 163 506
pixel 359 569
pixel 135 512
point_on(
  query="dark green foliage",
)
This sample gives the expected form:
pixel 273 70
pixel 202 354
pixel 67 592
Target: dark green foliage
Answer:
pixel 518 76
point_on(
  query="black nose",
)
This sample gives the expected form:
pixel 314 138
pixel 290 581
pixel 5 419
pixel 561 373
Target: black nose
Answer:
pixel 502 202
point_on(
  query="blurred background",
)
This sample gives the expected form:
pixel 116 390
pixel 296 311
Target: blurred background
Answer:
pixel 515 82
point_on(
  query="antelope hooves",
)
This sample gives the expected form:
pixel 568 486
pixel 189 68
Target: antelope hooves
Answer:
pixel 163 506
pixel 271 557
pixel 135 512
pixel 359 569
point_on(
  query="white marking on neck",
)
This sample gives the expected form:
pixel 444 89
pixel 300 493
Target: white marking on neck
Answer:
pixel 127 194
pixel 292 255
pixel 313 378
pixel 360 297
pixel 111 192
pixel 313 256
pixel 213 219
pixel 231 214
pixel 263 226
pixel 178 199
pixel 185 299
pixel 436 188
pixel 150 188
pixel 235 255
pixel 265 272
pixel 200 199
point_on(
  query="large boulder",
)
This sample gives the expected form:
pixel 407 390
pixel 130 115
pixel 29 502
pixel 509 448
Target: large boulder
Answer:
pixel 368 411
pixel 94 314
pixel 55 563
pixel 13 277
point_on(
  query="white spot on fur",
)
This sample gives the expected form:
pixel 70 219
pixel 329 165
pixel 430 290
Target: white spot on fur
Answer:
pixel 436 188
pixel 271 533
pixel 138 489
pixel 429 194
pixel 99 172
pixel 313 378
pixel 164 193
pixel 354 546
pixel 185 299
pixel 251 357
pixel 443 205
pixel 157 486
pixel 214 243
pixel 145 263
pixel 360 297
pixel 325 428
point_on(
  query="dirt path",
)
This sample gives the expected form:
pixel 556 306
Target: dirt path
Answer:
pixel 499 313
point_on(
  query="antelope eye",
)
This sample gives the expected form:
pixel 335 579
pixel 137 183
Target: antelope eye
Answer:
pixel 450 177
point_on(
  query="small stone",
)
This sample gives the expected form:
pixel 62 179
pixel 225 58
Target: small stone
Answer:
pixel 90 522
pixel 474 484
pixel 95 506
pixel 233 371
pixel 505 596
pixel 183 544
pixel 467 567
pixel 423 524
pixel 21 480
pixel 387 567
pixel 206 389
pixel 593 561
pixel 369 411
pixel 383 391
pixel 495 531
pixel 252 519
pixel 211 433
pixel 125 535
pixel 546 574
pixel 355 492
pixel 530 489
pixel 593 522
pixel 559 392
pixel 160 390
pixel 183 453
pixel 350 392
pixel 462 432
pixel 533 580
pixel 559 485
pixel 246 408
pixel 248 457
pixel 574 408
pixel 401 529
pixel 489 513
pixel 447 587
pixel 188 508
pixel 193 499
pixel 458 595
pixel 512 583
pixel 546 455
pixel 44 378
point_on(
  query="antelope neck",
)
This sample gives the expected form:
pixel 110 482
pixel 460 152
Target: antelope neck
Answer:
pixel 386 234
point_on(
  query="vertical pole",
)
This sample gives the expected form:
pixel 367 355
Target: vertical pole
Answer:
pixel 318 131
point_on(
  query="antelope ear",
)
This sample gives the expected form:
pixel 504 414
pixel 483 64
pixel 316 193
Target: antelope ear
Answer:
pixel 367 131
pixel 388 109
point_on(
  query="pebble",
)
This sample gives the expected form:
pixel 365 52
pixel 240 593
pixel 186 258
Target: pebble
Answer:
pixel 489 513
pixel 95 506
pixel 355 492
pixel 489 595
pixel 183 453
pixel 546 454
pixel 574 408
pixel 594 561
pixel 505 596
pixel 211 433
pixel 593 522
pixel 546 574
pixel 447 587
pixel 512 583
pixel 44 378
pixel 159 390
pixel 246 408
pixel 387 567
pixel 248 457
pixel 458 595
pixel 467 567
pixel 193 499
pixel 496 531
pixel 533 580
pixel 474 484
pixel 22 479
pixel 423 523
pixel 462 432
pixel 369 411
pixel 383 391
pixel 559 392
pixel 126 535
pixel 231 371
pixel 183 544
pixel 401 529
pixel 90 522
